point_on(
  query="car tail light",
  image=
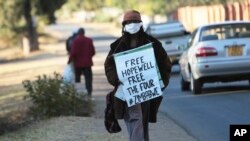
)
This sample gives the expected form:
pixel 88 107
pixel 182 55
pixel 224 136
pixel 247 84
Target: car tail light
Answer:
pixel 206 51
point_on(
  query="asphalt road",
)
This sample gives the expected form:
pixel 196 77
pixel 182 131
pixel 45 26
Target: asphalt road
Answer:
pixel 208 116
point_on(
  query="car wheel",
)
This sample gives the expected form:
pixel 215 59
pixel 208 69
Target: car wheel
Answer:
pixel 195 85
pixel 185 86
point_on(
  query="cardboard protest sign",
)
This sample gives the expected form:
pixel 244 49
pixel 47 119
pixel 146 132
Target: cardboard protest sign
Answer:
pixel 137 70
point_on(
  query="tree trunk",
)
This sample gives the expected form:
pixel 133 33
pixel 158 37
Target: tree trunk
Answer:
pixel 31 27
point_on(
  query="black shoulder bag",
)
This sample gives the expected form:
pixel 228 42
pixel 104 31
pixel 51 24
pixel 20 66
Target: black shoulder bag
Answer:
pixel 110 122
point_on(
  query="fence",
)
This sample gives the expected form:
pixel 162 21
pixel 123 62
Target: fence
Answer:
pixel 194 16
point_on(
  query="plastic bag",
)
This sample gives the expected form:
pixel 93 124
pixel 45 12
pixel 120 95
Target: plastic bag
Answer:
pixel 68 74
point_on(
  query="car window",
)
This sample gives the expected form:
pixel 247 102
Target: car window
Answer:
pixel 225 31
pixel 191 40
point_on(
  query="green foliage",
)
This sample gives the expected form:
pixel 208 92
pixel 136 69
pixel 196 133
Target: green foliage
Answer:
pixel 10 15
pixel 47 8
pixel 12 22
pixel 51 97
pixel 88 5
pixel 103 17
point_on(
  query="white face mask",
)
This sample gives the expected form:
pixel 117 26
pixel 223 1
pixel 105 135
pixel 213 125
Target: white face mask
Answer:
pixel 132 28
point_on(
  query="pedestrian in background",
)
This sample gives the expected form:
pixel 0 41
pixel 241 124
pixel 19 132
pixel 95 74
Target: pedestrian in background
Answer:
pixel 70 40
pixel 81 55
pixel 138 116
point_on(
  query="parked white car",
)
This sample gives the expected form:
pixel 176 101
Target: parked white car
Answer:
pixel 217 52
pixel 173 37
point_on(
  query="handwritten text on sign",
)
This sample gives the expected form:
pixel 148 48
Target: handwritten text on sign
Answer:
pixel 138 73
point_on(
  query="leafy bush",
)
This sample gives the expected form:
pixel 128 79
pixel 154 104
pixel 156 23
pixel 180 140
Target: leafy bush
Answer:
pixel 52 97
pixel 102 17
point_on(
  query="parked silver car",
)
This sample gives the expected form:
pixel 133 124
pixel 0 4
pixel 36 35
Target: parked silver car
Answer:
pixel 173 37
pixel 217 52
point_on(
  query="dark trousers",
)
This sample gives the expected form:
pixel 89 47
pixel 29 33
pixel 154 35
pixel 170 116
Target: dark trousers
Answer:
pixel 87 72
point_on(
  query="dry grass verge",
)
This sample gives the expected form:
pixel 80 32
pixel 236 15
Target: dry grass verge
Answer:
pixel 64 129
pixel 13 108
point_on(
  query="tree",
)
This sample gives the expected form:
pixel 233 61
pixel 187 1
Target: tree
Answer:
pixel 31 27
pixel 42 7
pixel 47 8
pixel 18 17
